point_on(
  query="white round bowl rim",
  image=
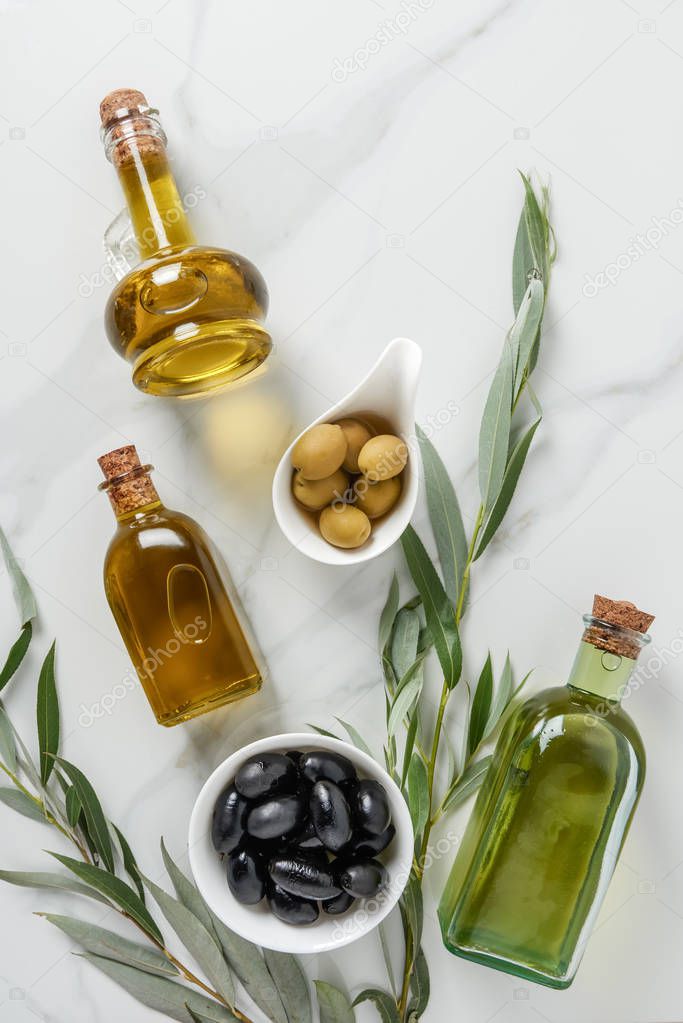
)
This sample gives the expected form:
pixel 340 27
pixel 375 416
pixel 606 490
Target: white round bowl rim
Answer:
pixel 256 923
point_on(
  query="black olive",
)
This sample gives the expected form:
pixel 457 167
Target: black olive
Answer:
pixel 330 814
pixel 307 838
pixel 338 905
pixel 290 909
pixel 277 818
pixel 295 756
pixel 371 807
pixel 363 845
pixel 246 876
pixel 265 774
pixel 229 816
pixel 361 878
pixel 304 876
pixel 324 764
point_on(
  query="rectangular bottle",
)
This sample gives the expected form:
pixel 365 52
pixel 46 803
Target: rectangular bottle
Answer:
pixel 552 815
pixel 170 600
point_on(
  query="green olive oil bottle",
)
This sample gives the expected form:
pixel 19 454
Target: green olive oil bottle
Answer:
pixel 552 815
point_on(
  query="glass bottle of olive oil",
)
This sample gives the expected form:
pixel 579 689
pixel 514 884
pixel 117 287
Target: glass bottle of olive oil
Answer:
pixel 550 820
pixel 190 317
pixel 170 600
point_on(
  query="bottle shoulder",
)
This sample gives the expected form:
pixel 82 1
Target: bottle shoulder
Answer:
pixel 163 527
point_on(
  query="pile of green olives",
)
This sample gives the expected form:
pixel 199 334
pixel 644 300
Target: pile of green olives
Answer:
pixel 303 831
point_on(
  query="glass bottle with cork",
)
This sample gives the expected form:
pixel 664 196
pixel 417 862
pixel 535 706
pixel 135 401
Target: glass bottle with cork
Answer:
pixel 176 609
pixel 189 317
pixel 552 815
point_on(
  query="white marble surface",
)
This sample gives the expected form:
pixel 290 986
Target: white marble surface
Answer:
pixel 378 201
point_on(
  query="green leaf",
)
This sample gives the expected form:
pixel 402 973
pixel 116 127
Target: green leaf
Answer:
pixel 537 228
pixel 481 705
pixel 48 879
pixel 323 731
pixel 166 996
pixel 524 332
pixel 383 1002
pixel 445 517
pixel 411 735
pixel 95 820
pixel 129 862
pixel 333 1004
pixel 407 695
pixel 494 434
pixel 507 490
pixel 502 696
pixel 419 986
pixel 418 795
pixel 411 902
pixel 355 737
pixel 115 890
pixel 439 611
pixel 8 750
pixel 200 943
pixel 186 891
pixel 386 619
pixel 47 712
pixel 523 261
pixel 468 782
pixel 247 962
pixel 404 640
pixel 112 946
pixel 384 942
pixel 291 982
pixel 21 803
pixel 74 807
pixel 16 654
pixel 23 595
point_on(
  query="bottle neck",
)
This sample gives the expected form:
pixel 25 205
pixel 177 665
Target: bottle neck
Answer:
pixel 132 494
pixel 136 145
pixel 600 672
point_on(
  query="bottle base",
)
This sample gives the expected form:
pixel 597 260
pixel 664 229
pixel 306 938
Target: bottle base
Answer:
pixel 213 357
pixel 248 687
pixel 558 983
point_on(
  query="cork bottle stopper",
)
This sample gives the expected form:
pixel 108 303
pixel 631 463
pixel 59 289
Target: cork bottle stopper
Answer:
pixel 622 614
pixel 130 126
pixel 127 481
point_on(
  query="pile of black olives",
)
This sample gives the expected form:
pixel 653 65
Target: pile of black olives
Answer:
pixel 303 831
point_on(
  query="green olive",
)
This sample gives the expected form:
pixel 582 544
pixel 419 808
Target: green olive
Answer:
pixel 320 451
pixel 376 499
pixel 344 525
pixel 315 494
pixel 357 434
pixel 383 457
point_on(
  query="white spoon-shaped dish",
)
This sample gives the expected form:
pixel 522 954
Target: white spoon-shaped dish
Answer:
pixel 388 391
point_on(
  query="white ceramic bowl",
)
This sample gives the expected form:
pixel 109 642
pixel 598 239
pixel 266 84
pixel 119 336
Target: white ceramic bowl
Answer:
pixel 256 923
pixel 388 391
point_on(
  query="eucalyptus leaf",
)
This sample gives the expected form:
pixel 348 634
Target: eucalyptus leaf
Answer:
pixel 323 731
pixel 129 862
pixel 404 640
pixel 16 654
pixel 186 891
pixel 439 611
pixel 524 332
pixel 523 261
pixel 166 996
pixel 26 761
pixel 23 595
pixel 17 800
pixel 411 735
pixel 384 942
pixel 96 822
pixel 47 713
pixel 445 517
pixel 512 473
pixel 502 696
pixel 74 807
pixel 468 782
pixel 413 907
pixel 49 879
pixel 419 986
pixel 112 946
pixel 248 963
pixel 383 1002
pixel 200 943
pixel 355 737
pixel 8 750
pixel 333 1004
pixel 418 796
pixel 115 890
pixel 537 228
pixel 389 611
pixel 407 694
pixel 481 706
pixel 290 980
pixel 494 433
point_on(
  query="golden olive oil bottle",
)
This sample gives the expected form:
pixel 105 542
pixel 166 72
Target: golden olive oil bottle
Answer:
pixel 189 317
pixel 170 600
pixel 552 815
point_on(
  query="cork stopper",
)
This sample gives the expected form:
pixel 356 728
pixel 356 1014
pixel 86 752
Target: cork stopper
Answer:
pixel 626 620
pixel 130 125
pixel 127 481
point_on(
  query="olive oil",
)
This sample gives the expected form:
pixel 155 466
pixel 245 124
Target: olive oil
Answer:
pixel 190 317
pixel 552 815
pixel 170 600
